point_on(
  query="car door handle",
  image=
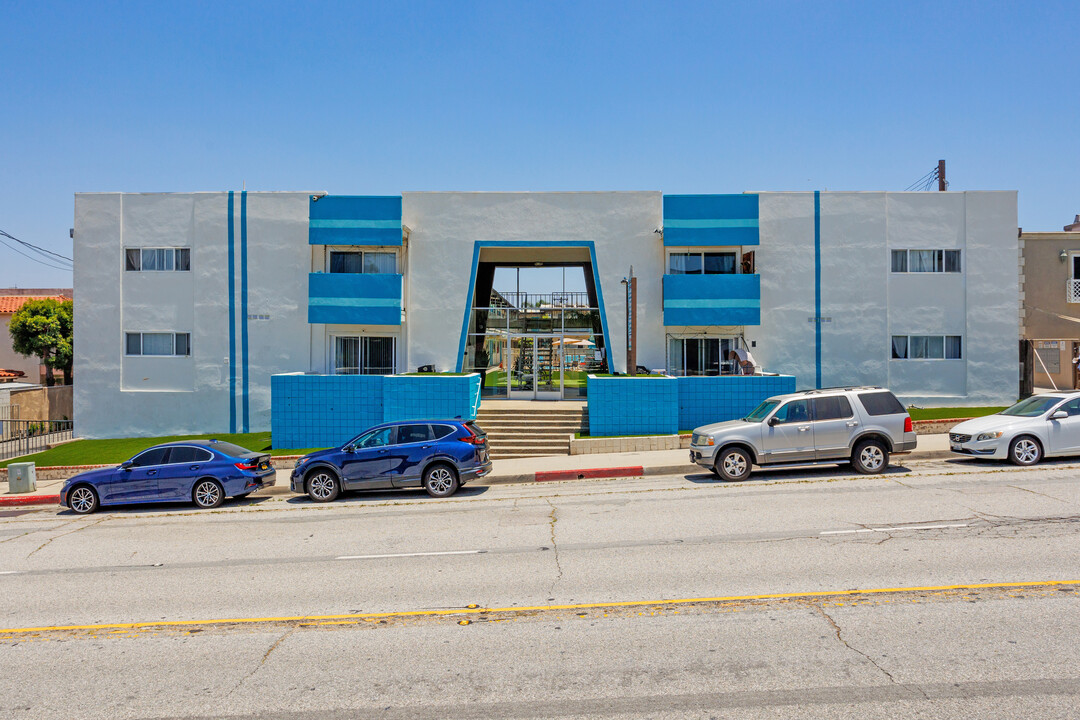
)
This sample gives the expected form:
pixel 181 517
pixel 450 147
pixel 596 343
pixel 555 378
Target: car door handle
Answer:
pixel 193 467
pixel 853 423
pixel 804 428
pixel 424 447
pixel 151 472
pixel 383 451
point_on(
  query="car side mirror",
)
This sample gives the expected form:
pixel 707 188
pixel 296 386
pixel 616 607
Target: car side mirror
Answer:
pixel 349 448
pixel 126 465
pixel 1059 415
pixel 773 422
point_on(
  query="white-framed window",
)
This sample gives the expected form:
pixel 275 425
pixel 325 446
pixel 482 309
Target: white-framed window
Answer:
pixel 927 347
pixel 926 261
pixel 162 259
pixel 162 344
pixel 362 261
pixel 689 356
pixel 363 355
pixel 703 262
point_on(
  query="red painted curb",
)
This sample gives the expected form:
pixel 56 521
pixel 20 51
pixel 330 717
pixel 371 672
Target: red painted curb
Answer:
pixel 29 500
pixel 590 474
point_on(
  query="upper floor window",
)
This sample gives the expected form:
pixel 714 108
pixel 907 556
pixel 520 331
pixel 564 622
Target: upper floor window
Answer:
pixel 914 261
pixel 158 343
pixel 702 263
pixel 927 347
pixel 157 259
pixel 363 261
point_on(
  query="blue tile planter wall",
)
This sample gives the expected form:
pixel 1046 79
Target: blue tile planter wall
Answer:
pixel 406 397
pixel 704 400
pixel 633 406
pixel 311 411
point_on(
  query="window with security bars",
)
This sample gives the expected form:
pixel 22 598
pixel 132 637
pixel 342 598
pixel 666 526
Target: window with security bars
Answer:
pixel 157 259
pixel 165 344
pixel 363 355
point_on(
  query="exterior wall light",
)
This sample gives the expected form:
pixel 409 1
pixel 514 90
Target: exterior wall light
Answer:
pixel 1063 256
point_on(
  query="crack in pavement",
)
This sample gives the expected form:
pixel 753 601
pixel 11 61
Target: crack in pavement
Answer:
pixel 1035 492
pixel 262 661
pixel 839 636
pixel 57 537
pixel 552 519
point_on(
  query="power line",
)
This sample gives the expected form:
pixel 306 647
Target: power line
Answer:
pixel 40 250
pixel 31 257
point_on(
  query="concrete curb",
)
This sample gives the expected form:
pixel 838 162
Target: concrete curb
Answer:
pixel 15 500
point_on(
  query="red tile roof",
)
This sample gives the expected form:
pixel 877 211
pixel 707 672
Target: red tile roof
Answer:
pixel 11 303
pixel 11 373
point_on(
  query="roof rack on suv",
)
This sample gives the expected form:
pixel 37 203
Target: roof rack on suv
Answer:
pixel 844 389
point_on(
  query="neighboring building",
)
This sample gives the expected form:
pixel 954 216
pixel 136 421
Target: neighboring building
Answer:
pixel 188 303
pixel 1050 291
pixel 11 299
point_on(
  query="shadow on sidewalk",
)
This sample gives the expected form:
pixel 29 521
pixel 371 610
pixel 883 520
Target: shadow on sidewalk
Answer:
pixel 370 496
pixel 808 472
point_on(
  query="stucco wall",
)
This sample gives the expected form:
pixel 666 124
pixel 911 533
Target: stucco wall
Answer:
pixel 1045 278
pixel 142 396
pixel 445 226
pixel 863 304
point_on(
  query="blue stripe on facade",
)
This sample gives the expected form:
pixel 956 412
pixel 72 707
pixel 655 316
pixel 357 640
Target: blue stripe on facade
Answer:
pixel 244 308
pixel 354 220
pixel 712 299
pixel 232 321
pixel 699 220
pixel 817 286
pixel 354 298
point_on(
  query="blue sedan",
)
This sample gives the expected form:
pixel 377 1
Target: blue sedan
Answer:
pixel 438 455
pixel 204 472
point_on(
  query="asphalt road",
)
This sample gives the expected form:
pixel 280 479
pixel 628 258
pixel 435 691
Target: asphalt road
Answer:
pixel 949 589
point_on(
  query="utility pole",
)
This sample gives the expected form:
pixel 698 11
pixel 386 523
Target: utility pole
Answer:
pixel 941 184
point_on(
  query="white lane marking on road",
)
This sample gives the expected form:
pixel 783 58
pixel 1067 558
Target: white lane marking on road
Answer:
pixel 9 572
pixel 890 529
pixel 416 554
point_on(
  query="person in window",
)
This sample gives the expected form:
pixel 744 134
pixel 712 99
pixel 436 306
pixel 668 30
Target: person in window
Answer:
pixel 743 361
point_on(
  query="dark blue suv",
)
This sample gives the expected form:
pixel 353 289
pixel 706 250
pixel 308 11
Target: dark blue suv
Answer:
pixel 438 455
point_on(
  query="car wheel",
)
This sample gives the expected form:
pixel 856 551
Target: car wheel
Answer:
pixel 83 500
pixel 323 486
pixel 208 494
pixel 870 457
pixel 440 481
pixel 1025 450
pixel 733 464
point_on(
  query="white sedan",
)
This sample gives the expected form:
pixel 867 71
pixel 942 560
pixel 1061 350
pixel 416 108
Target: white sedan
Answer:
pixel 1040 426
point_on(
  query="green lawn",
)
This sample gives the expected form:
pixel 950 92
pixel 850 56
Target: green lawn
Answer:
pixel 948 413
pixel 104 452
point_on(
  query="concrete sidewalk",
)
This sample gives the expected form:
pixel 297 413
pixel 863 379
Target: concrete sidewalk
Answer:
pixel 535 469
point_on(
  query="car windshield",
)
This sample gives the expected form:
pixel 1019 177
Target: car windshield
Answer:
pixel 1032 407
pixel 761 411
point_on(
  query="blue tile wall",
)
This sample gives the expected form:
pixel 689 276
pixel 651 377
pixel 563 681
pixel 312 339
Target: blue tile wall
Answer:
pixel 704 400
pixel 633 406
pixel 312 411
pixel 410 397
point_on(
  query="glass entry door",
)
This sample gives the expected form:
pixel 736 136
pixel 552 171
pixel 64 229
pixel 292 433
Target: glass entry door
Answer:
pixel 535 367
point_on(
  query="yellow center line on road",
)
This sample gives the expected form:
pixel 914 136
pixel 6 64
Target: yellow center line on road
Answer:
pixel 342 619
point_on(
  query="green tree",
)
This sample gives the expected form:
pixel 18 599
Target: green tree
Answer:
pixel 44 328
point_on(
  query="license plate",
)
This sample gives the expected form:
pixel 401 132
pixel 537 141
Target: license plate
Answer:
pixel 264 466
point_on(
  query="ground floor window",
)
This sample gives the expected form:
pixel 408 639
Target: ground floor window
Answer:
pixel 364 355
pixel 157 343
pixel 687 356
pixel 927 347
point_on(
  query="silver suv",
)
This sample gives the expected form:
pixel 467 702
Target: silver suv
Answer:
pixel 862 425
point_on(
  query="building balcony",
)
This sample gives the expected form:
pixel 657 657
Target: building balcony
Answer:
pixel 712 299
pixel 354 299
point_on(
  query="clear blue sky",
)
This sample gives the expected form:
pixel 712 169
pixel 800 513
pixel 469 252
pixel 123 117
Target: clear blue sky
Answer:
pixel 392 96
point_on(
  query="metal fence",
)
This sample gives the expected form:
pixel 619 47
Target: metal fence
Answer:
pixel 23 437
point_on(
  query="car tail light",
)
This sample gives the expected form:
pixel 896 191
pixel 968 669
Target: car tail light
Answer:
pixel 472 438
pixel 907 425
pixel 247 466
